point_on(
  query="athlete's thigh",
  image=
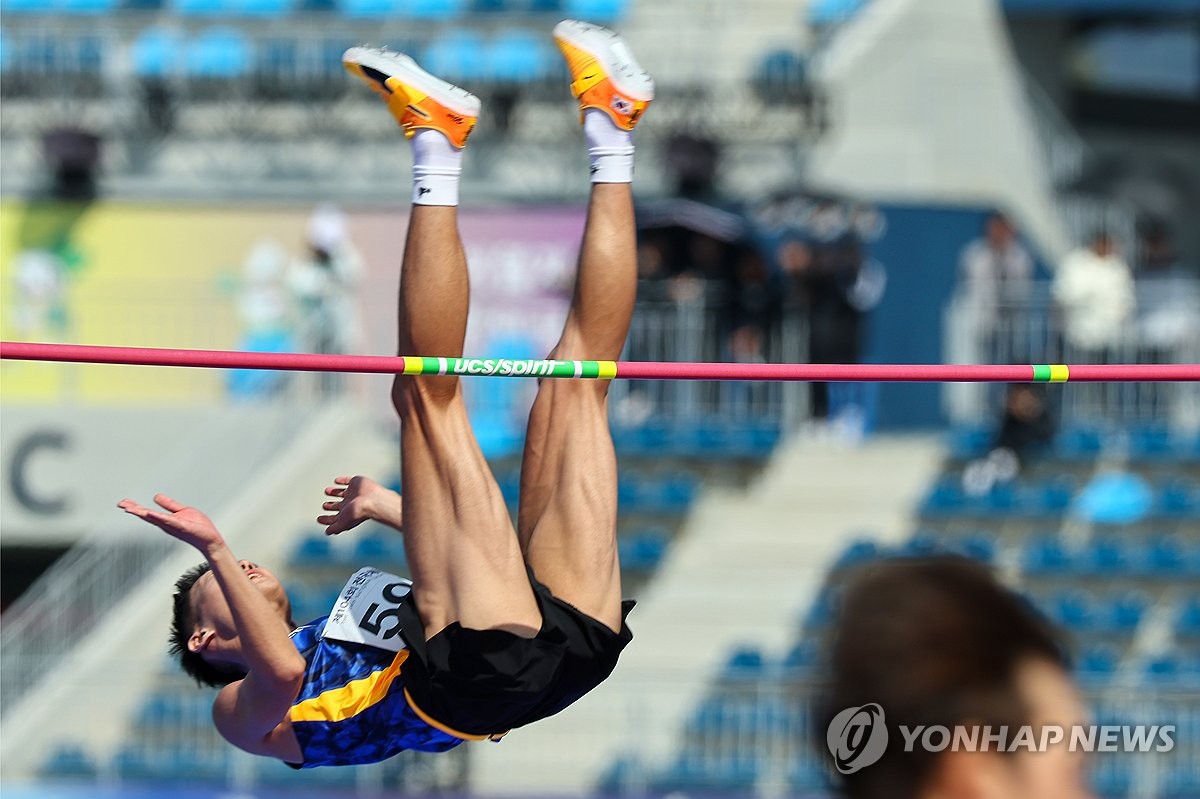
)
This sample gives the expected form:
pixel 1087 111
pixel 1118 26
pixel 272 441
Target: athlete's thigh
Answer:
pixel 568 509
pixel 462 550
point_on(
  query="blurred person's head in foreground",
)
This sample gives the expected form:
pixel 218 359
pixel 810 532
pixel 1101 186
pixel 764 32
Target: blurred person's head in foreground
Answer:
pixel 939 641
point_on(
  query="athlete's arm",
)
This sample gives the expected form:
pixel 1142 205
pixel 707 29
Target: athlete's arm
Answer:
pixel 247 711
pixel 357 499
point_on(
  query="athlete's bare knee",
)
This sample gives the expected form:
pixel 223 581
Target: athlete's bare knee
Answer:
pixel 414 396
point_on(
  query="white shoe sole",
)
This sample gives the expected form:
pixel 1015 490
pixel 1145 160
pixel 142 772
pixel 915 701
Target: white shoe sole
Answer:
pixel 398 65
pixel 613 54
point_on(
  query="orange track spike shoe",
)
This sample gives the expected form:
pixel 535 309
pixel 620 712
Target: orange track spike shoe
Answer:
pixel 604 73
pixel 415 98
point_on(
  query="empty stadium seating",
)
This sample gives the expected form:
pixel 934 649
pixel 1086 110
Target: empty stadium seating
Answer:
pixel 1103 589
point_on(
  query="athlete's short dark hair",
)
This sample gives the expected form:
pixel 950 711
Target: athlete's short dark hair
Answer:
pixel 183 624
pixel 933 641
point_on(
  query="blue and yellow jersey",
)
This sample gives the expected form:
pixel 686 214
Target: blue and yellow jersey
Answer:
pixel 351 708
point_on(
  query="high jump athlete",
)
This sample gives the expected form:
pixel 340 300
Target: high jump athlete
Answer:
pixel 499 627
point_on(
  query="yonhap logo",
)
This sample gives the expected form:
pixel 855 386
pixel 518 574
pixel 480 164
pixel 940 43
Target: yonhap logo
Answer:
pixel 857 737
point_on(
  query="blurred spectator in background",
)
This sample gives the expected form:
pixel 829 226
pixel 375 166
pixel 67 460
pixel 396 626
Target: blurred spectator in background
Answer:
pixel 939 641
pixel 263 311
pixel 1168 299
pixel 323 283
pixel 1093 288
pixel 1026 430
pixel 752 308
pixel 995 276
pixel 831 277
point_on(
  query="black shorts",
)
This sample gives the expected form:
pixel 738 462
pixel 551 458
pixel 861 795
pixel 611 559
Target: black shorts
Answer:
pixel 480 683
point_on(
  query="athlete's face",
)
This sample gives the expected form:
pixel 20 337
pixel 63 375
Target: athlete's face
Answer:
pixel 215 637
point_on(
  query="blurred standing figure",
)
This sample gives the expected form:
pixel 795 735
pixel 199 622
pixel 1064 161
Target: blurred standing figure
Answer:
pixel 1026 430
pixel 995 274
pixel 1093 288
pixel 323 284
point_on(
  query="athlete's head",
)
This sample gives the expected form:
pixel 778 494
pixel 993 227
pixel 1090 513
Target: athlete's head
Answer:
pixel 939 642
pixel 203 634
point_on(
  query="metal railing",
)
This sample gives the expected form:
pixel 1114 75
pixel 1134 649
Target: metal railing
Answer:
pixel 696 328
pixel 1164 328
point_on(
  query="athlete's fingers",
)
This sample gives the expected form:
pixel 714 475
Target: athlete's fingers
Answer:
pixel 335 505
pixel 129 506
pixel 333 491
pixel 342 481
pixel 169 504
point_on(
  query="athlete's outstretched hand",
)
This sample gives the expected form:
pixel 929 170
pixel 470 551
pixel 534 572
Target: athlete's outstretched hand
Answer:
pixel 357 499
pixel 187 524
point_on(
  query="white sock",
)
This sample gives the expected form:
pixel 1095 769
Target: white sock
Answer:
pixel 437 165
pixel 610 148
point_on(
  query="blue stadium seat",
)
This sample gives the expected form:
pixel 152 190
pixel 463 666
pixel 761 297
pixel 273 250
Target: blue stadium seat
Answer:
pixel 1108 556
pixel 945 498
pixel 801 659
pixel 518 56
pixel 1003 499
pixel 923 544
pixel 381 551
pixel 1051 497
pixel 1073 609
pixel 1079 443
pixel 5 51
pixel 262 9
pixel 1166 557
pixel 978 546
pixel 807 776
pixel 371 9
pixel 27 6
pixel 202 8
pixel 1179 498
pixel 677 491
pixel 599 11
pixel 644 550
pixel 745 663
pixel 1188 621
pixel 313 550
pixel 857 552
pixel 695 772
pixel 87 6
pixel 456 55
pixel 831 12
pixel 434 9
pixel 783 69
pixel 69 761
pixel 966 443
pixel 218 52
pixel 1046 555
pixel 1166 668
pixel 1098 662
pixel 517 6
pixel 157 53
pixel 821 612
pixel 1127 611
pixel 1151 441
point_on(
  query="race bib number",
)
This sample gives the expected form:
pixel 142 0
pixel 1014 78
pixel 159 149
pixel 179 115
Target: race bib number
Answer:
pixel 368 610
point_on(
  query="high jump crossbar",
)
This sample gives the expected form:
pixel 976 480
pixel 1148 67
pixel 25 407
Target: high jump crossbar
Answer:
pixel 631 370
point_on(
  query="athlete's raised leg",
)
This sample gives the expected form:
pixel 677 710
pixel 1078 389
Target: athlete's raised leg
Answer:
pixel 462 550
pixel 568 508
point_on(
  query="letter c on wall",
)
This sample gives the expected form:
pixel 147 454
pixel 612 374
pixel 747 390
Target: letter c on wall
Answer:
pixel 19 482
